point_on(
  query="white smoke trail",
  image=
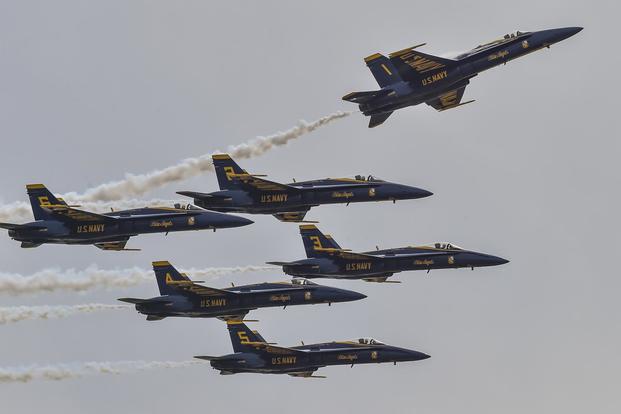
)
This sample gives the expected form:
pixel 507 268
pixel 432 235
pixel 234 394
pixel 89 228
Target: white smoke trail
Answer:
pixel 22 313
pixel 135 185
pixel 59 372
pixel 92 277
pixel 101 197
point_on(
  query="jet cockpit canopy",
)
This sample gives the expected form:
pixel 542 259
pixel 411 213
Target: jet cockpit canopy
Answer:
pixel 369 341
pixel 446 246
pixel 188 206
pixel 368 178
pixel 302 282
pixel 512 35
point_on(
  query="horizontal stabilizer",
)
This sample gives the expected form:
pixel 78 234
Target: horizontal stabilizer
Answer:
pixel 366 96
pixel 134 301
pixel 10 226
pixel 207 357
pixel 293 264
pixel 204 196
pixel 155 318
pixel 161 300
pixel 378 119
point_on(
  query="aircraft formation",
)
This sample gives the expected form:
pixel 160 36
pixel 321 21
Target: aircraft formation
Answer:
pixel 406 77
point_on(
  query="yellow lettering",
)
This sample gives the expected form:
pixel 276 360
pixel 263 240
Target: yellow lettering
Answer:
pixel 280 298
pixel 229 173
pixel 164 223
pixel 90 228
pixel 243 337
pixel 434 78
pixel 274 198
pixel 206 303
pixel 355 266
pixel 290 360
pixel 342 194
pixel 425 262
pixel 316 242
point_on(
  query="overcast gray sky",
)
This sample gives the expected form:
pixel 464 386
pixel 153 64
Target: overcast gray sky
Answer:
pixel 92 90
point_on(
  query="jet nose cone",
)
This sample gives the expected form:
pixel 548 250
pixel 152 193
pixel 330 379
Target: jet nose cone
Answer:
pixel 242 221
pixel 419 356
pixel 495 260
pixel 357 296
pixel 557 35
pixel 349 295
pixel 414 192
pixel 235 221
pixel 569 32
pixel 423 193
pixel 221 220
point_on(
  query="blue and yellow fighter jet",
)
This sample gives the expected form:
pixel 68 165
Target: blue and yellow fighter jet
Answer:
pixel 241 192
pixel 326 259
pixel 180 296
pixel 255 355
pixel 57 222
pixel 409 77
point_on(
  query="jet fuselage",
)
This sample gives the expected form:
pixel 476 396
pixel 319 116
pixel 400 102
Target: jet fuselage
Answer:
pixel 246 298
pixel 123 224
pixel 313 357
pixel 380 264
pixel 270 202
pixel 445 78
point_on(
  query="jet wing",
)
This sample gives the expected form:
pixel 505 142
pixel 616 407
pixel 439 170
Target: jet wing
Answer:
pixel 262 184
pixel 114 245
pixel 275 350
pixel 346 186
pixel 173 213
pixel 293 216
pixel 283 290
pixel 417 255
pixel 73 214
pixel 367 256
pixel 449 100
pixel 355 256
pixel 192 287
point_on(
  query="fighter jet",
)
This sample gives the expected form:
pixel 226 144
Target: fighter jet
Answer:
pixel 180 296
pixel 253 354
pixel 249 193
pixel 325 258
pixel 57 222
pixel 409 77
